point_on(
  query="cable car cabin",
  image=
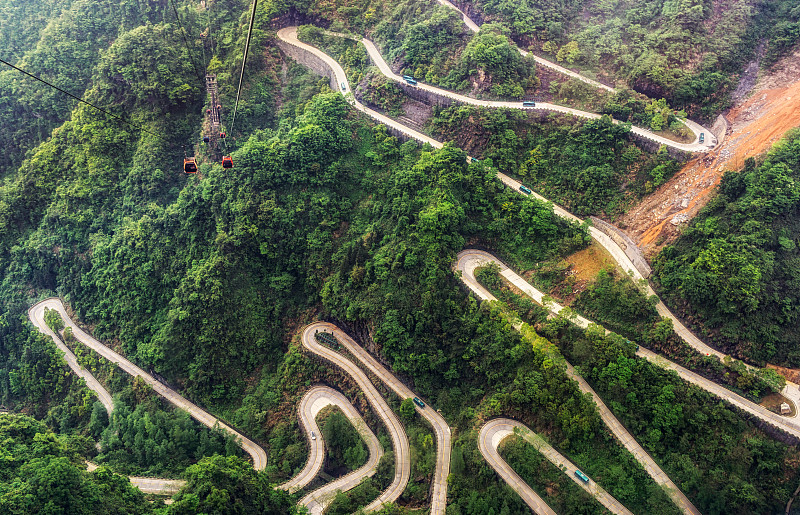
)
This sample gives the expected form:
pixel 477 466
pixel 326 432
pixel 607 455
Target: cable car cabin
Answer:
pixel 208 111
pixel 205 139
pixel 221 135
pixel 227 162
pixel 189 165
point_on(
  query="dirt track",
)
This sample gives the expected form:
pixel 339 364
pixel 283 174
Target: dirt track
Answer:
pixel 755 125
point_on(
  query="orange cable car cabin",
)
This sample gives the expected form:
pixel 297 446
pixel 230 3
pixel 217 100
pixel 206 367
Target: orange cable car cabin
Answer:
pixel 227 162
pixel 189 165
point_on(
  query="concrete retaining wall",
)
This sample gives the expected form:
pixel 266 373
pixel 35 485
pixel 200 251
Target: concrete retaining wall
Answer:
pixel 625 243
pixel 720 128
pixel 308 59
pixel 653 146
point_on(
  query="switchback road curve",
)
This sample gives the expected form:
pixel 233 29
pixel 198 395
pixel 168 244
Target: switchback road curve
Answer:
pixel 695 127
pixel 497 430
pixel 311 404
pixel 440 427
pixel 36 315
pixel 402 469
pixel 468 261
pixel 378 60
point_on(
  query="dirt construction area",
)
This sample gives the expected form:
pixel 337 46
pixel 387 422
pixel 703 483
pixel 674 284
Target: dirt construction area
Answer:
pixel 754 125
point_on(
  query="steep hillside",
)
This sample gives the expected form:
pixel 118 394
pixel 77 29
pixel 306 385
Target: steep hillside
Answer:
pixel 690 52
pixel 736 264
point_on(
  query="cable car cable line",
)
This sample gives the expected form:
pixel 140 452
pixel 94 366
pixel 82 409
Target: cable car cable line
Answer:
pixel 186 41
pixel 244 61
pixel 123 120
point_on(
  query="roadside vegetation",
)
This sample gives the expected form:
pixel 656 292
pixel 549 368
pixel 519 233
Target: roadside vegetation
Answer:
pixel 690 53
pixel 587 166
pixel 206 279
pixel 730 466
pixel 732 273
pixel 551 483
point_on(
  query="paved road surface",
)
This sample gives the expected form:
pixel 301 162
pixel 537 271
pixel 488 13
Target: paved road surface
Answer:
pixel 791 390
pixel 695 146
pixel 150 485
pixel 471 25
pixel 402 470
pixel 492 433
pixel 289 35
pixel 495 431
pixel 695 127
pixel 440 427
pixel 36 315
pixel 468 261
pixel 312 403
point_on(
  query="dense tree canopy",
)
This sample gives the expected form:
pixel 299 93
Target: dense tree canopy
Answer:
pixel 736 265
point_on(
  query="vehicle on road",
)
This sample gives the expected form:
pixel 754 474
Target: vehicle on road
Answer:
pixel 408 77
pixel 524 189
pixel 702 137
pixel 419 402
pixel 473 160
pixel 411 81
pixel 583 477
pixel 344 86
pixel 313 435
pixel 529 103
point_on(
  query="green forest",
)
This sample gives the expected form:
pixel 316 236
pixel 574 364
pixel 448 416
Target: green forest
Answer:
pixel 735 267
pixel 206 280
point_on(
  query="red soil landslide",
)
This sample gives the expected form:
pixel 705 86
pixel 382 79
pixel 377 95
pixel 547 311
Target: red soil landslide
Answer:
pixel 755 125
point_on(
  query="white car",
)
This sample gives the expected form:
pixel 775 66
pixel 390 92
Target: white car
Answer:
pixel 313 436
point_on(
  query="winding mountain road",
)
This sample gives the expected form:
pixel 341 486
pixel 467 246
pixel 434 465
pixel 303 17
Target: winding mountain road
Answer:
pixel 36 315
pixel 695 127
pixel 790 391
pixel 474 27
pixel 402 470
pixel 313 401
pixel 695 146
pixel 440 427
pixel 383 66
pixel 497 430
pixel 467 262
pixel 311 404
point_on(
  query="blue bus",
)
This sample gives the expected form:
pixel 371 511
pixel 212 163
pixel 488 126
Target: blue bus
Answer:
pixel 473 160
pixel 529 103
pixel 702 137
pixel 419 402
pixel 408 77
pixel 583 477
pixel 411 81
pixel 524 189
